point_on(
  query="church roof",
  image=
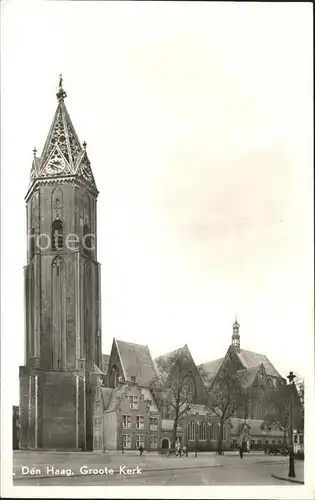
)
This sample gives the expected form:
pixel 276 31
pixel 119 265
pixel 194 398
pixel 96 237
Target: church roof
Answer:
pixel 62 155
pixel 209 370
pixel 182 350
pixel 249 375
pixel 251 359
pixel 251 362
pixel 136 362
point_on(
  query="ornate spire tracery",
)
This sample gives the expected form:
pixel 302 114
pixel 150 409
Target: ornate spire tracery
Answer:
pixel 62 155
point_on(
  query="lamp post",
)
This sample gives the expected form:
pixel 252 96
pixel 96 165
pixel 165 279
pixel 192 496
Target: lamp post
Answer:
pixel 291 378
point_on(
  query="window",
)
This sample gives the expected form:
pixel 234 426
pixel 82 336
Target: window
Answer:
pixel 127 421
pixel 266 441
pixel 211 432
pixel 126 440
pixel 140 422
pixel 273 441
pixel 295 438
pixel 32 236
pixel 191 431
pixel 153 423
pixel 139 440
pixel 259 442
pixel 301 439
pixel 279 441
pixel 133 402
pixel 153 441
pixel 202 431
pixel 57 235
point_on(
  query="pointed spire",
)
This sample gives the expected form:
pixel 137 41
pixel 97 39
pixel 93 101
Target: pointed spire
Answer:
pixel 63 154
pixel 61 94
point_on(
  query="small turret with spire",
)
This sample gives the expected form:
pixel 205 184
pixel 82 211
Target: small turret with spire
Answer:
pixel 236 340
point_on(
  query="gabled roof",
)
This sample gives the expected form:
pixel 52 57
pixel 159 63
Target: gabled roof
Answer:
pixel 181 351
pixel 251 359
pixel 209 370
pixel 248 375
pixel 136 362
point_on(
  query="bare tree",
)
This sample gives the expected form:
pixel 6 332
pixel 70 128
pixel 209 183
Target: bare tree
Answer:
pixel 174 387
pixel 279 408
pixel 226 395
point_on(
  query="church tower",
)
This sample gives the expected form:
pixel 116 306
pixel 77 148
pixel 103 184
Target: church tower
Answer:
pixel 236 339
pixel 62 294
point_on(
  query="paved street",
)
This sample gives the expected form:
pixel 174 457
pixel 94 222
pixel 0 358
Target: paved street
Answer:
pixel 76 469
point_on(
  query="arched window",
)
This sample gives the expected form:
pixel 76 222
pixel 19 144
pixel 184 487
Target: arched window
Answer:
pixel 32 236
pixel 211 432
pixel 191 431
pixel 113 377
pixel 215 431
pixel 57 235
pixel 202 431
pixel 59 314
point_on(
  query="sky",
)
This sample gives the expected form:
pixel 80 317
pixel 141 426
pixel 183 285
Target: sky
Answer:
pixel 198 122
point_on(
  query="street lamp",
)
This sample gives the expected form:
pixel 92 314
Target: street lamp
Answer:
pixel 291 378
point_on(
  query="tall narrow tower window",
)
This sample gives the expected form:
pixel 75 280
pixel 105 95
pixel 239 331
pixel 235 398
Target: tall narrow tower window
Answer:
pixel 58 314
pixel 32 243
pixel 57 235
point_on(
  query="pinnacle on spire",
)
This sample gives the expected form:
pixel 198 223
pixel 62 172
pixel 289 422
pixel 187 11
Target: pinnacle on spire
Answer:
pixel 84 145
pixel 61 94
pixel 34 151
pixel 235 322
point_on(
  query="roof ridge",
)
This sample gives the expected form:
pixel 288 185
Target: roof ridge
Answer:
pixel 131 343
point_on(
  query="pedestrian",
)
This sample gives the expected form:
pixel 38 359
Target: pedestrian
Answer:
pixel 185 451
pixel 141 449
pixel 241 452
pixel 178 450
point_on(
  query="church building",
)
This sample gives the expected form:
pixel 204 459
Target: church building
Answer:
pixel 73 397
pixel 62 294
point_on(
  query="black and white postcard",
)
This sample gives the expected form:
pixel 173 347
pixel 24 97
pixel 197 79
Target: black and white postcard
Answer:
pixel 157 250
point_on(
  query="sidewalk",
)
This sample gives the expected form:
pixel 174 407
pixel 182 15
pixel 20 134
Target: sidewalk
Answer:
pixel 299 473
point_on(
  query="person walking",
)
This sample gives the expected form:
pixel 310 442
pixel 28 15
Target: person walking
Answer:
pixel 141 450
pixel 185 451
pixel 241 451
